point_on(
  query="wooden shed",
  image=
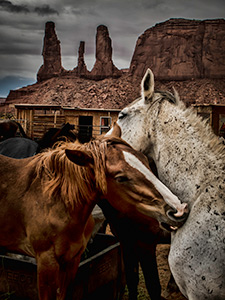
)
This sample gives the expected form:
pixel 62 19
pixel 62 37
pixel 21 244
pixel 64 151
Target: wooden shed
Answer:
pixel 90 122
pixel 37 119
pixel 215 114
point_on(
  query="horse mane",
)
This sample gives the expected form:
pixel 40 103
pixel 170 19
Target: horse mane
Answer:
pixel 72 183
pixel 114 141
pixel 172 98
pixel 212 141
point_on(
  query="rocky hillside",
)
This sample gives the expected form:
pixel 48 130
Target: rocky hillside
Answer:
pixel 113 93
pixel 185 54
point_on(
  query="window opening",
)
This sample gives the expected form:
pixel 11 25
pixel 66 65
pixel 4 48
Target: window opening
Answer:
pixel 105 124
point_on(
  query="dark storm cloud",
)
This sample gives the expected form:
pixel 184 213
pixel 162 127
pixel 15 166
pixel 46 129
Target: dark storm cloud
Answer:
pixel 45 10
pixel 151 4
pixel 9 6
pixel 20 49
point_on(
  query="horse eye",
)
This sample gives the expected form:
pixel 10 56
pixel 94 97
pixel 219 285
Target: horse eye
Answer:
pixel 122 179
pixel 122 115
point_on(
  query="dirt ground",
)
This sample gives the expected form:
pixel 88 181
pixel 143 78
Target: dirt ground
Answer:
pixel 164 273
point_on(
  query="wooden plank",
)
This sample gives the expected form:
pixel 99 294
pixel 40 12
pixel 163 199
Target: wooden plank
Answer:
pixel 48 115
pixel 38 121
pixel 50 124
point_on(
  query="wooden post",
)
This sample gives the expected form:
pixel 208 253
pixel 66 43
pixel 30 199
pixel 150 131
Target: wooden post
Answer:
pixel 31 124
pixel 55 118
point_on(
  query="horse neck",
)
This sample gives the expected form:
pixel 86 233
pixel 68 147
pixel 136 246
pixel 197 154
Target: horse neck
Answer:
pixel 184 151
pixel 82 211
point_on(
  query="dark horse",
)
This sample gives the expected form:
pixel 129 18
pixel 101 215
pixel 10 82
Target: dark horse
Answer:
pixel 46 203
pixel 8 129
pixel 138 241
pixel 23 147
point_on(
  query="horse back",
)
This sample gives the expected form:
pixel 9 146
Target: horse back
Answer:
pixel 12 189
pixel 18 147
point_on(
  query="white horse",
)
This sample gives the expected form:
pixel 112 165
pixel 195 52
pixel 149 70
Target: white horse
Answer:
pixel 190 162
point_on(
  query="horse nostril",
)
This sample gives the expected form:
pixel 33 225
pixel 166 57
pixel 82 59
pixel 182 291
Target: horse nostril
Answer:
pixel 175 216
pixel 122 115
pixel 183 209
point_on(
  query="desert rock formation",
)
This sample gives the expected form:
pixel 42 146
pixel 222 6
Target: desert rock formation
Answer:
pixel 81 69
pixel 52 66
pixel 103 67
pixel 185 54
pixel 181 49
pixel 112 92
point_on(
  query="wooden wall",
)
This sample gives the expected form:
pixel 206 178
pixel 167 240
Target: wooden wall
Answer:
pixel 36 120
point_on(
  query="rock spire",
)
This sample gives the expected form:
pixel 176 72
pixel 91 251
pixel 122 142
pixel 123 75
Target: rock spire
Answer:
pixel 81 69
pixel 52 66
pixel 103 66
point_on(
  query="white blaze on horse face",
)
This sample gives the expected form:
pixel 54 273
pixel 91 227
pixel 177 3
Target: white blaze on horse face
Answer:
pixel 167 195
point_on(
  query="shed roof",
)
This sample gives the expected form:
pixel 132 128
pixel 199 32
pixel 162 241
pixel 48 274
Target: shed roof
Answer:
pixel 58 107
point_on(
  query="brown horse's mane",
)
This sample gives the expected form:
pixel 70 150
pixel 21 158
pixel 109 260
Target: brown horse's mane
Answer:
pixel 72 183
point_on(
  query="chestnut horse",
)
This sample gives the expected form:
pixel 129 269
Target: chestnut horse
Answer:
pixel 47 200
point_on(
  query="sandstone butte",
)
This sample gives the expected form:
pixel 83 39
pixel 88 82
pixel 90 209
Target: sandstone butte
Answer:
pixel 185 54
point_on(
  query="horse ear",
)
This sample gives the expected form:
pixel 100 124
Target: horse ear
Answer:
pixel 80 158
pixel 147 85
pixel 116 131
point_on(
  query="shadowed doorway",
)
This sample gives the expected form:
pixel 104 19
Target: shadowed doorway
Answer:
pixel 85 128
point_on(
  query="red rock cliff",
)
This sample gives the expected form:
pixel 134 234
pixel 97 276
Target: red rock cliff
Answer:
pixel 181 49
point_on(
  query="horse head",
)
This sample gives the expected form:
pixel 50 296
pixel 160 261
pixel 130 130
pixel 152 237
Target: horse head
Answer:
pixel 131 186
pixel 136 119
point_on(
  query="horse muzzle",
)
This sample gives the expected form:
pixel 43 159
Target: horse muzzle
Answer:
pixel 176 219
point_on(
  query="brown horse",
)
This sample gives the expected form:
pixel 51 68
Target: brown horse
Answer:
pixel 47 200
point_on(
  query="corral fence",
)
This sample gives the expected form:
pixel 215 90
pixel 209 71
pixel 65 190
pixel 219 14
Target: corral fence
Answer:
pixel 41 124
pixel 88 123
pixel 86 132
pixel 37 119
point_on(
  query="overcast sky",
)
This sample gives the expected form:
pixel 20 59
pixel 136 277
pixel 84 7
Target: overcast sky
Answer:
pixel 22 24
